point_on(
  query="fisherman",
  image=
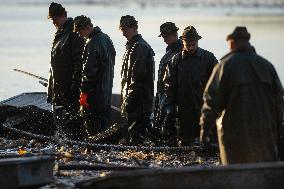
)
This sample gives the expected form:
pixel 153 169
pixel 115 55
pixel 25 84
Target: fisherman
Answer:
pixel 246 96
pixel 169 33
pixel 65 68
pixel 97 80
pixel 188 74
pixel 137 85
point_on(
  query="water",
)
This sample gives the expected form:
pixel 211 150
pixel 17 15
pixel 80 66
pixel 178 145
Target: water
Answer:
pixel 26 35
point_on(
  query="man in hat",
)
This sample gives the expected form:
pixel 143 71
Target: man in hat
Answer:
pixel 137 85
pixel 188 74
pixel 246 96
pixel 97 75
pixel 165 126
pixel 65 67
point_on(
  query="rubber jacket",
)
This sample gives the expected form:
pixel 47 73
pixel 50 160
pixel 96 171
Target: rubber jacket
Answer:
pixel 246 95
pixel 137 75
pixel 98 72
pixel 65 66
pixel 159 112
pixel 185 84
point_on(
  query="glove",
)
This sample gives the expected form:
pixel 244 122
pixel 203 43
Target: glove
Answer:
pixel 83 100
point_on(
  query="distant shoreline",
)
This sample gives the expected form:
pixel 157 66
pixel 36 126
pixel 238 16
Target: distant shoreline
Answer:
pixel 252 8
pixel 185 3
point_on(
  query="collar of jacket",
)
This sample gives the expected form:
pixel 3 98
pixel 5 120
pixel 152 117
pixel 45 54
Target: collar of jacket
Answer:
pixel 94 32
pixel 176 45
pixel 67 26
pixel 132 41
pixel 197 53
pixel 245 48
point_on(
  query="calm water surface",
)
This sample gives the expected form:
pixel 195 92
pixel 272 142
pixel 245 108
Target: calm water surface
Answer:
pixel 26 36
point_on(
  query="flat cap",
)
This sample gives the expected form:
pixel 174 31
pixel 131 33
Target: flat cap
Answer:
pixel 55 10
pixel 127 21
pixel 80 22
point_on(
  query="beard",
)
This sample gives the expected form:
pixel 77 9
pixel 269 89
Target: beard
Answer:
pixel 191 52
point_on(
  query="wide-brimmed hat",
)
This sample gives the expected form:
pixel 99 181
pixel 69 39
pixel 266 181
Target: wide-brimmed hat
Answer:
pixel 55 10
pixel 127 21
pixel 190 34
pixel 168 28
pixel 240 32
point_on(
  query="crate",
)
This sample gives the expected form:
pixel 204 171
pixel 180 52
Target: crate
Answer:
pixel 26 172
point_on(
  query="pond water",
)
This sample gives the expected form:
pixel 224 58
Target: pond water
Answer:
pixel 26 35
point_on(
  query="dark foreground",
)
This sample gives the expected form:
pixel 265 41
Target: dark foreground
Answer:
pixel 27 130
pixel 75 164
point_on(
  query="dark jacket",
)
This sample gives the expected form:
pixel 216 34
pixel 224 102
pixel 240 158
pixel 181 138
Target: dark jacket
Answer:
pixel 171 50
pixel 65 66
pixel 186 81
pixel 98 71
pixel 245 93
pixel 137 85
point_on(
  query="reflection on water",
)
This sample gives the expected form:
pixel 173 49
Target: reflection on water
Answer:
pixel 26 36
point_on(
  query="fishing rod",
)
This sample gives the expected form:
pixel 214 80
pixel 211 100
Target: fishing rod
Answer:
pixel 44 80
pixel 30 74
pixel 43 83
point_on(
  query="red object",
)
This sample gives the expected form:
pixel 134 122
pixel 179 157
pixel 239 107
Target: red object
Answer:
pixel 83 100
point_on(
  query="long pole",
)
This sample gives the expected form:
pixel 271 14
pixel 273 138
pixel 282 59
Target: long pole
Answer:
pixel 46 80
pixel 30 74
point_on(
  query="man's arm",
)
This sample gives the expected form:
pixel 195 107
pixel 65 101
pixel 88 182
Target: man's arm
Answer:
pixel 90 69
pixel 279 92
pixel 214 102
pixel 171 84
pixel 171 88
pixel 212 63
pixel 77 52
pixel 50 87
pixel 138 60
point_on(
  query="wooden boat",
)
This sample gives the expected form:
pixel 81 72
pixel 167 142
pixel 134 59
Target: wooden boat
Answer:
pixel 245 176
pixel 39 99
pixel 30 112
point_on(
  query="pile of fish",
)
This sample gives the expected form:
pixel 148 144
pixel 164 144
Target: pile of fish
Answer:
pixel 29 131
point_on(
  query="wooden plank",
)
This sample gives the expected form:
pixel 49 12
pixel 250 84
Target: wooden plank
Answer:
pixel 259 175
pixel 26 171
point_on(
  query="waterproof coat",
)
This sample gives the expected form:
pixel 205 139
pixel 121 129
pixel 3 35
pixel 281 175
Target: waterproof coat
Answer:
pixel 98 72
pixel 137 85
pixel 245 93
pixel 159 111
pixel 186 81
pixel 65 66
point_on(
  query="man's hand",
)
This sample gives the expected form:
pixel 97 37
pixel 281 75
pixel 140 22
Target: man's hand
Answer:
pixel 48 99
pixel 83 100
pixel 204 138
